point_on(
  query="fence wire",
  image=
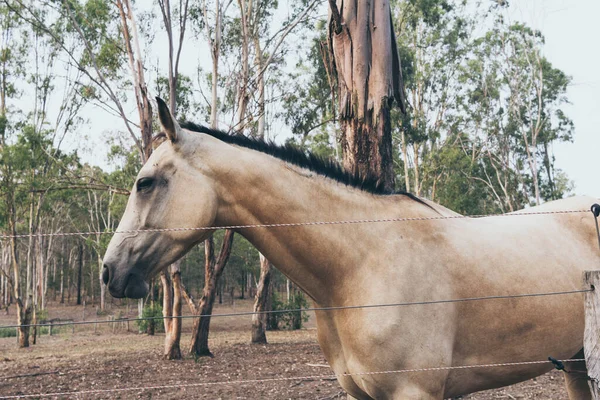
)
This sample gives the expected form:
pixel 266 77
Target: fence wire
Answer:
pixel 298 310
pixel 280 379
pixel 290 224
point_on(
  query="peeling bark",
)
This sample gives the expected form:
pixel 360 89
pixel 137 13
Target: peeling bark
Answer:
pixel 363 45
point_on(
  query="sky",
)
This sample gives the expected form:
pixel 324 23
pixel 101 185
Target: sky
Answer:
pixel 572 34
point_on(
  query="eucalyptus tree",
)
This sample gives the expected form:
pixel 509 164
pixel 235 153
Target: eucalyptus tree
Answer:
pixel 362 44
pixel 11 175
pixel 309 107
pixel 98 38
pixel 209 25
pixel 433 39
pixel 537 93
pixel 13 52
pixel 30 166
pixel 31 158
pixel 511 105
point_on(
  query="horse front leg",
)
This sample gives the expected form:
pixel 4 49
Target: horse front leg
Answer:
pixel 576 379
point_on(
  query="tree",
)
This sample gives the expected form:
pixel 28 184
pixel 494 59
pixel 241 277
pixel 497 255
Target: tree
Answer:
pixel 511 103
pixel 261 303
pixel 309 105
pixel 213 269
pixel 433 39
pixel 367 66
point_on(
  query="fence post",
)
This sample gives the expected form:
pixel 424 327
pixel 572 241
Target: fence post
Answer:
pixel 591 339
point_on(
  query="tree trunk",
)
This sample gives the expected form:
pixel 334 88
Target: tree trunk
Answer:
pixel 132 47
pixel 417 188
pixel 23 318
pixel 173 335
pixel 242 97
pixel 33 331
pixel 363 45
pixel 23 308
pixel 62 284
pixel 213 269
pixel 167 299
pixel 91 277
pixel 47 271
pixel 262 303
pixel 367 149
pixel 79 274
pixel 243 286
pixel 151 326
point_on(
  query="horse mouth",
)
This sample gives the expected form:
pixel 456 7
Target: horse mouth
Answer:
pixel 135 288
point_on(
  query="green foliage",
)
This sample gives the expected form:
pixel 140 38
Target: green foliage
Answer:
pixel 56 330
pixel 291 320
pixel 42 315
pixel 8 332
pixel 184 95
pixel 151 312
pixel 308 104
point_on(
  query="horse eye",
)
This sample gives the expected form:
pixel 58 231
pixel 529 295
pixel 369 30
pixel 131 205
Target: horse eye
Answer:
pixel 144 183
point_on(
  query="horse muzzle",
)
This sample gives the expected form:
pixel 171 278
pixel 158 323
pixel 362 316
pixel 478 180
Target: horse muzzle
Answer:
pixel 131 285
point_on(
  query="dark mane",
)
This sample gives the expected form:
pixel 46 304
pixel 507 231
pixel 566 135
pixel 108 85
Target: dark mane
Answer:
pixel 323 166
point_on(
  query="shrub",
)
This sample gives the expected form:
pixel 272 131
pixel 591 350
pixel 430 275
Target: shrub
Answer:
pixel 290 320
pixel 8 332
pixel 149 312
pixel 42 315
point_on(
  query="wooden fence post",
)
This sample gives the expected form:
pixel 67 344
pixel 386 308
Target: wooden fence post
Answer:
pixel 591 339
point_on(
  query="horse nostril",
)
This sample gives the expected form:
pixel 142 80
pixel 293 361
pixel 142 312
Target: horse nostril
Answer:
pixel 105 275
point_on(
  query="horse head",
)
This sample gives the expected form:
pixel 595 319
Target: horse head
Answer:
pixel 169 192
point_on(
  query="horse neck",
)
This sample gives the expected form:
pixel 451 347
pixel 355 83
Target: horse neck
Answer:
pixel 260 189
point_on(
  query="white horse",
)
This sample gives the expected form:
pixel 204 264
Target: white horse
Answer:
pixel 208 178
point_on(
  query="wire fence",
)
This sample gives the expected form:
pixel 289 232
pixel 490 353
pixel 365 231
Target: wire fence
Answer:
pixel 285 379
pixel 301 378
pixel 316 309
pixel 299 310
pixel 290 224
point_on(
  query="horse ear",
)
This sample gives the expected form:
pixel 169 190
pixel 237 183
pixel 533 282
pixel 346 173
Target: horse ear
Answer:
pixel 168 122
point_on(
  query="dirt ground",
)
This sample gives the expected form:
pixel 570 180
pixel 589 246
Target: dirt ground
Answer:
pixel 96 358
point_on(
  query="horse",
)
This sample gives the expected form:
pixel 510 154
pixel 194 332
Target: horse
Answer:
pixel 198 177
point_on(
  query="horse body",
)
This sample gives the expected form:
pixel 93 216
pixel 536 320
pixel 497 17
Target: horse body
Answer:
pixel 455 259
pixel 374 263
